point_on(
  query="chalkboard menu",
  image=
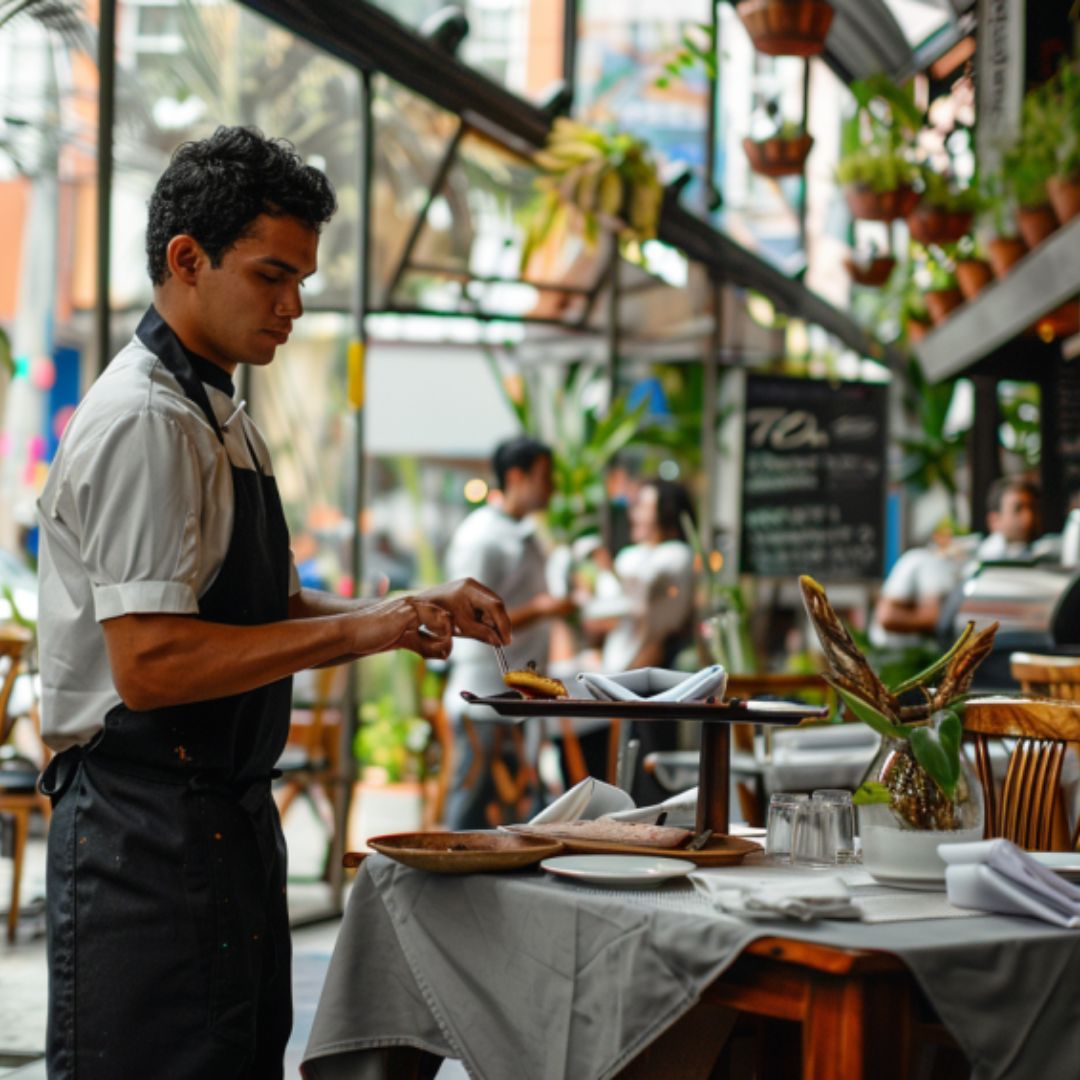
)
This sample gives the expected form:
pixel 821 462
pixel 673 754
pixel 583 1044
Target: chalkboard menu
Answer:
pixel 813 498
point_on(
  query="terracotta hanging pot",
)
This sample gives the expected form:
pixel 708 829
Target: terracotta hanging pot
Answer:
pixel 973 275
pixel 778 157
pixel 1064 195
pixel 874 273
pixel 917 329
pixel 1035 223
pixel 869 205
pixel 936 225
pixel 787 27
pixel 1003 252
pixel 940 302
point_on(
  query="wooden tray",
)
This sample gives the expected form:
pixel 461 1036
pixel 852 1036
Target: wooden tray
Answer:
pixel 719 851
pixel 731 712
pixel 465 852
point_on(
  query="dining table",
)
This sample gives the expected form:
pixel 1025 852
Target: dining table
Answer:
pixel 529 976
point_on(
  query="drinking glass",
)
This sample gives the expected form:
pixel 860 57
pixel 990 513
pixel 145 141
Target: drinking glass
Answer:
pixel 812 835
pixel 842 825
pixel 782 809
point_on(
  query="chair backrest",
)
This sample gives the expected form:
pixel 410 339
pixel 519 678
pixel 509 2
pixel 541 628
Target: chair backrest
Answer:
pixel 14 645
pixel 1030 811
pixel 1049 676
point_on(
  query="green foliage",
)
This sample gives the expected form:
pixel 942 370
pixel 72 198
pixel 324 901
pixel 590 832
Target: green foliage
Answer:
pixel 874 143
pixel 942 191
pixel 693 53
pixel 1033 158
pixel 594 180
pixel 878 169
pixel 392 736
pixel 936 747
pixel 871 792
pixel 870 716
pixel 7 360
pixel 1019 406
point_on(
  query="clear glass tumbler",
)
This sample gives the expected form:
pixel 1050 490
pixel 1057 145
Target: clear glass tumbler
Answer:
pixel 812 835
pixel 778 828
pixel 842 825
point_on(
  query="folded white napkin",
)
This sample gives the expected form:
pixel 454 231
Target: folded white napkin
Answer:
pixel 656 684
pixel 801 896
pixel 996 875
pixel 586 801
pixel 681 811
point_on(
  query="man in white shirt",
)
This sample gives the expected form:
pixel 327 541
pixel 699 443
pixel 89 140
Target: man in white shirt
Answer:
pixel 497 546
pixel 171 621
pixel 1013 519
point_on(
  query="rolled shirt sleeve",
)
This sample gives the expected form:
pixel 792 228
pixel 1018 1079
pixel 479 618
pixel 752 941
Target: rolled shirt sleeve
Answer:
pixel 135 497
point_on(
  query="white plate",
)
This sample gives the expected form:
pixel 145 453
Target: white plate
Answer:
pixel 1065 863
pixel 618 869
pixel 921 884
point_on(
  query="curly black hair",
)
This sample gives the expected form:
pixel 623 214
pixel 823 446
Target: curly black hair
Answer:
pixel 215 188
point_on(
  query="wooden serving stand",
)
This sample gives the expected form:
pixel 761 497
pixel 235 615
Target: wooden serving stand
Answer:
pixel 716 717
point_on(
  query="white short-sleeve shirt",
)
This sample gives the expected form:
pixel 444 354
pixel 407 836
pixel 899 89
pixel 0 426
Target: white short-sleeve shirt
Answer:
pixel 921 574
pixel 136 517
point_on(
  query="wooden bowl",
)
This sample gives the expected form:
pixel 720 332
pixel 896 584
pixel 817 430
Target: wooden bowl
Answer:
pixel 465 852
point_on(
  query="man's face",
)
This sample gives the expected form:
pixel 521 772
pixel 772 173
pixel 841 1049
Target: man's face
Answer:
pixel 536 484
pixel 245 307
pixel 1017 518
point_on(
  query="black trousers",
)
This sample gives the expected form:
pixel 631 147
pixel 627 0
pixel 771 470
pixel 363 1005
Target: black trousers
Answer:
pixel 168 937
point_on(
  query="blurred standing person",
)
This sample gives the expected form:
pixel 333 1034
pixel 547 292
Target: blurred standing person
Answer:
pixel 499 545
pixel 649 591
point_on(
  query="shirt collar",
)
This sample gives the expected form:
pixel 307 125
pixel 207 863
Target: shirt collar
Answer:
pixel 207 371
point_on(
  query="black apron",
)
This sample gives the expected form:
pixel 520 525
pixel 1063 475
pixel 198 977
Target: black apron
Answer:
pixel 169 949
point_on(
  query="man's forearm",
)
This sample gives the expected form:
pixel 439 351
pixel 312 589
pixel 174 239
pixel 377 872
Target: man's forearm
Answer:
pixel 313 603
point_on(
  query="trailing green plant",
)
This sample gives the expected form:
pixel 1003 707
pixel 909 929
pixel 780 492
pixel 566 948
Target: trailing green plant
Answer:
pixel 943 192
pixel 594 180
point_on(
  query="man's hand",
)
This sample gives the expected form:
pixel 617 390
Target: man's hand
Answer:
pixel 425 628
pixel 476 612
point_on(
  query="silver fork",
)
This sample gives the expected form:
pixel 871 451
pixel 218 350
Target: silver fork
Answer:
pixel 500 656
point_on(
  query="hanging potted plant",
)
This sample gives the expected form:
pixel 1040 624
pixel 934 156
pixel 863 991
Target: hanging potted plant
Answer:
pixel 1032 161
pixel 920 792
pixel 945 212
pixel 943 294
pixel 1004 248
pixel 781 152
pixel 973 272
pixel 876 167
pixel 595 181
pixel 870 269
pixel 1063 188
pixel 786 27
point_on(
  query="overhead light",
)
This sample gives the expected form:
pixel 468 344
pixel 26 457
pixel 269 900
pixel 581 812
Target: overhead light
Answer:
pixel 446 28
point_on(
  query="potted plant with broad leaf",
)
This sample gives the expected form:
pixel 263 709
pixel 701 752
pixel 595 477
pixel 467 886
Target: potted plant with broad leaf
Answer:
pixel 780 150
pixel 876 166
pixel 920 791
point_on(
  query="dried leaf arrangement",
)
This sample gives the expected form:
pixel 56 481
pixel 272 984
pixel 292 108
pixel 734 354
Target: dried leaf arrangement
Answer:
pixel 932 728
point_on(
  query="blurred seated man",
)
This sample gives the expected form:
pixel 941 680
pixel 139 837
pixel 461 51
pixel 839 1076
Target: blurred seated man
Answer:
pixel 907 611
pixel 1013 521
pixel 498 543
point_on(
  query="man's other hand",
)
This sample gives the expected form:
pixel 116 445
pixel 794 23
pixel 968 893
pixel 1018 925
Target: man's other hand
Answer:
pixel 476 611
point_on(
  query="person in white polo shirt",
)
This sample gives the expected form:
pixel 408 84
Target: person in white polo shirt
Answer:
pixel 171 621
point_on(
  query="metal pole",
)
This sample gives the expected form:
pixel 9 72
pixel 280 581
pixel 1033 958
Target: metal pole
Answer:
pixel 708 188
pixel 612 368
pixel 569 54
pixel 106 117
pixel 356 387
pixel 709 411
pixel 803 185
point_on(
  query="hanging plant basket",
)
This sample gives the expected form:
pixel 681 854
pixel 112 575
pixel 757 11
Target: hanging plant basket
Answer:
pixel 940 302
pixel 787 27
pixel 1064 195
pixel 874 273
pixel 1004 252
pixel 917 329
pixel 778 156
pixel 973 275
pixel 936 225
pixel 1035 223
pixel 869 205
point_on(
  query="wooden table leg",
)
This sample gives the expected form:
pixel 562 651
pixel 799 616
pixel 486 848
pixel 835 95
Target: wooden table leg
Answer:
pixel 714 778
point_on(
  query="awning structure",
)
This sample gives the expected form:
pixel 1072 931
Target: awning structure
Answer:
pixel 363 34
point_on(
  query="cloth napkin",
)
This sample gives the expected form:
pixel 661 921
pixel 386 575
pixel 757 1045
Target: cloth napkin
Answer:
pixel 996 875
pixel 681 811
pixel 585 801
pixel 656 684
pixel 795 895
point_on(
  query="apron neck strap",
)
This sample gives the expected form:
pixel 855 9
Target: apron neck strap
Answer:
pixel 156 334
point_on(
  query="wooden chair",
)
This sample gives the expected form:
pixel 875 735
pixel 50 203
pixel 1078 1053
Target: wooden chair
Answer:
pixel 1047 676
pixel 19 796
pixel 1029 810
